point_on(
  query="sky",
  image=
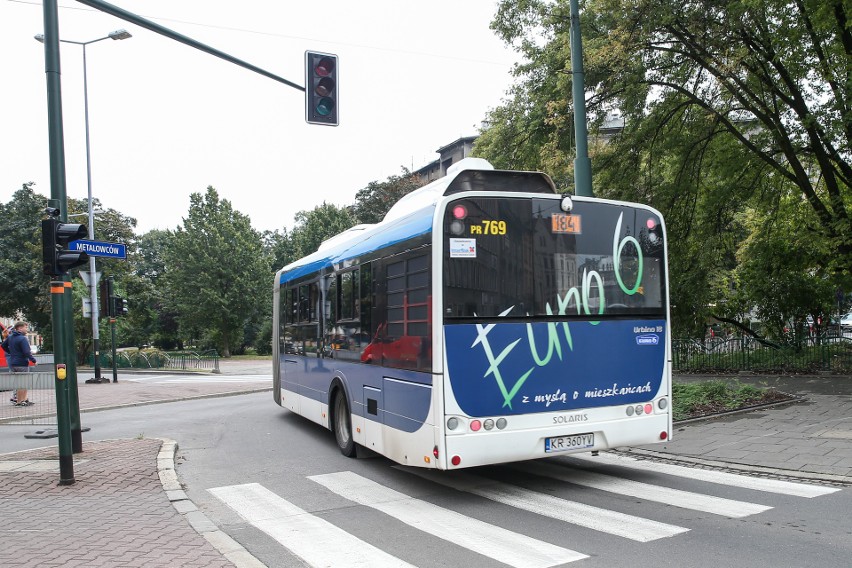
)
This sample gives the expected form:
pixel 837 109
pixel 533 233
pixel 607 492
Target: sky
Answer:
pixel 167 120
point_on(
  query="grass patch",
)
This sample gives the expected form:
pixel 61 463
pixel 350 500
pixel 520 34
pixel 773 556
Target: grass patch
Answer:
pixel 693 400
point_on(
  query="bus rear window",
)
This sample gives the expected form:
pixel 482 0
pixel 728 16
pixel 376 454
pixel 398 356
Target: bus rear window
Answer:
pixel 522 257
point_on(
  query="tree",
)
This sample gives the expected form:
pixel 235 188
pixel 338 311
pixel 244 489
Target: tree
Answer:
pixel 374 201
pixel 727 107
pixel 23 285
pixel 315 226
pixel 217 275
pixel 151 321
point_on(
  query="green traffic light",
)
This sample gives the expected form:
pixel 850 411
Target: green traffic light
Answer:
pixel 324 106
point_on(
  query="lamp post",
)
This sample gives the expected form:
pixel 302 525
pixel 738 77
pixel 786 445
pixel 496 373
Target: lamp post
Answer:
pixel 93 284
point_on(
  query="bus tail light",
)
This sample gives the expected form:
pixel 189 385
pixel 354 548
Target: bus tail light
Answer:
pixel 649 408
pixel 475 425
pixel 664 435
pixel 457 227
pixel 435 452
pixel 456 460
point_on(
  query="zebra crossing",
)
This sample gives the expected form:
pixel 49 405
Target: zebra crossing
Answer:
pixel 318 542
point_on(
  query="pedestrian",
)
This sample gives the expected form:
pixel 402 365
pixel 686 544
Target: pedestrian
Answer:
pixel 18 355
pixel 4 333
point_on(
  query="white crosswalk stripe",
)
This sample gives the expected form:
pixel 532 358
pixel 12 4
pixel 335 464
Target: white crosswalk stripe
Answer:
pixel 674 497
pixel 314 540
pixel 321 544
pixel 595 518
pixel 712 476
pixel 488 540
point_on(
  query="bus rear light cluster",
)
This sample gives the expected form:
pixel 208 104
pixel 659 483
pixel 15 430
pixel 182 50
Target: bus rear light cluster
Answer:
pixel 453 423
pixel 647 408
pixel 457 225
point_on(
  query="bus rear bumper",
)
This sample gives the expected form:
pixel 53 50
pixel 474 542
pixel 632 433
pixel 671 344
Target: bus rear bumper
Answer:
pixel 493 446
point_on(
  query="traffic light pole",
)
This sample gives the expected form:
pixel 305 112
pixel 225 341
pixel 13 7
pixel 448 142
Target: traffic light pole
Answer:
pixel 61 320
pixel 110 287
pixel 71 368
pixel 114 368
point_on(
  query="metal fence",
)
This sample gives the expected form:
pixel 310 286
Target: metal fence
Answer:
pixel 813 355
pixel 178 361
pixel 41 392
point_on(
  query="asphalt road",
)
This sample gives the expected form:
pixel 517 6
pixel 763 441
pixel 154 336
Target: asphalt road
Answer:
pixel 287 474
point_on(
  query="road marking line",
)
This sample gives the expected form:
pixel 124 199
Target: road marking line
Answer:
pixel 315 540
pixel 674 497
pixel 712 476
pixel 588 516
pixel 488 540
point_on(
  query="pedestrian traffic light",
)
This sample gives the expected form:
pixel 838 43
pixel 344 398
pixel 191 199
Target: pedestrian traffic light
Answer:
pixel 119 306
pixel 55 237
pixel 321 88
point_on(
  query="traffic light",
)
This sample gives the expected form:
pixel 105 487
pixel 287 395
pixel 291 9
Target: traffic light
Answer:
pixel 321 88
pixel 55 236
pixel 119 306
pixel 105 299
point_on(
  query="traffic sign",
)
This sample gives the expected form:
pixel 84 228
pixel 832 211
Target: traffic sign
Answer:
pixel 99 248
pixel 87 278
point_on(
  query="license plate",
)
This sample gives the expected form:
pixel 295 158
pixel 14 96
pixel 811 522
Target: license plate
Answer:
pixel 563 443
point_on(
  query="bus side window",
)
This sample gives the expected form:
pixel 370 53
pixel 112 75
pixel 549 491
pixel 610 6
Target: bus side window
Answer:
pixel 285 321
pixel 331 332
pixel 407 314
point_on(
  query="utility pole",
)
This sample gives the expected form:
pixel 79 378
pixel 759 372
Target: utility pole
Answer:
pixel 582 163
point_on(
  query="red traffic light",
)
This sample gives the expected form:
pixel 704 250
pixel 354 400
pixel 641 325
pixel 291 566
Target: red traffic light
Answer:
pixel 325 67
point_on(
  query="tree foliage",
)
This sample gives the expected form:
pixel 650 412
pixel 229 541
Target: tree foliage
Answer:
pixel 730 110
pixel 374 201
pixel 23 286
pixel 217 275
pixel 313 227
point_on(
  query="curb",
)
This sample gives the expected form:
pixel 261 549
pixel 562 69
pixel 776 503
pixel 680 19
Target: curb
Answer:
pixel 825 478
pixel 230 549
pixel 179 399
pixel 794 399
pixel 15 419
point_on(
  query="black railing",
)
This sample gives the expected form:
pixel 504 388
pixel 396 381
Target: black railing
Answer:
pixel 812 355
pixel 182 360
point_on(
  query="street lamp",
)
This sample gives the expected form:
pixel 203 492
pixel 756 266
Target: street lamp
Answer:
pixel 93 285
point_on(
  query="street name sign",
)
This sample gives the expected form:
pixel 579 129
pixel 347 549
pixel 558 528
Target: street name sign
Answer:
pixel 99 248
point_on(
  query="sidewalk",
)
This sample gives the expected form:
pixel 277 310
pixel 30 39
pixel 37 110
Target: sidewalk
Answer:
pixel 810 439
pixel 143 518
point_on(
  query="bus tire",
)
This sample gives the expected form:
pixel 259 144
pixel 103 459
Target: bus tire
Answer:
pixel 342 422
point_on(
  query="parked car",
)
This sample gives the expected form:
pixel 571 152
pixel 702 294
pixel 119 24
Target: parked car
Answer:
pixel 846 321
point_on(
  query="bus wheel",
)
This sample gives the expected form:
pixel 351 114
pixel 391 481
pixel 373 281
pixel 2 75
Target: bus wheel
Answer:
pixel 343 425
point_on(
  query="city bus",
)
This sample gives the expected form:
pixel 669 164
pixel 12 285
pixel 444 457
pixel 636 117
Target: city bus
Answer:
pixel 486 319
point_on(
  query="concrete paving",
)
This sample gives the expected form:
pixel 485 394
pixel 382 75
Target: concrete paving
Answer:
pixel 143 518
